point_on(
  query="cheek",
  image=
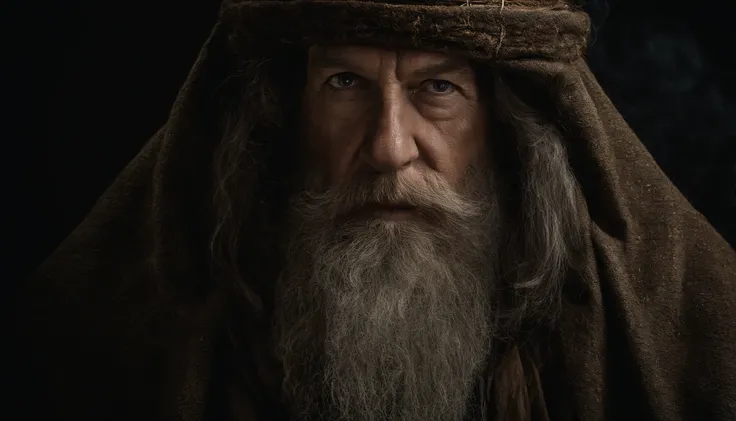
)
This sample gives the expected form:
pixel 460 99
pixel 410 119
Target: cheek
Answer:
pixel 457 145
pixel 334 136
pixel 478 144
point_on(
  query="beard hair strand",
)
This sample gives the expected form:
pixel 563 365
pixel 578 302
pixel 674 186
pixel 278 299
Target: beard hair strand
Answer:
pixel 379 319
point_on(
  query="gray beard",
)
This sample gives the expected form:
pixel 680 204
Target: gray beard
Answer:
pixel 387 320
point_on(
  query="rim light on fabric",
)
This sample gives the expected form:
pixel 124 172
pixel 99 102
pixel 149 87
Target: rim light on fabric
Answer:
pixel 482 30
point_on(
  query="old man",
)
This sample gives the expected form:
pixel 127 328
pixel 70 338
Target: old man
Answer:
pixel 387 211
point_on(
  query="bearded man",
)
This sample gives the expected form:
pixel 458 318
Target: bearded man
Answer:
pixel 387 211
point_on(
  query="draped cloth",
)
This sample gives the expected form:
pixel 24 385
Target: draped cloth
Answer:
pixel 124 321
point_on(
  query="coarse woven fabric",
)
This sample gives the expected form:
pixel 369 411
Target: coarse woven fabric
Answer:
pixel 125 321
pixel 482 30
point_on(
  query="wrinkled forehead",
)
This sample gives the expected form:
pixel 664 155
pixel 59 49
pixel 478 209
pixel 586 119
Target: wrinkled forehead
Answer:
pixel 372 58
pixel 374 53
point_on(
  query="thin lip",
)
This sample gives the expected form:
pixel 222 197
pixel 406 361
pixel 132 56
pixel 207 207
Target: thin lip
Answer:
pixel 373 208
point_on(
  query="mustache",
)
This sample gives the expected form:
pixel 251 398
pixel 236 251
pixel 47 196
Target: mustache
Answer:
pixel 429 193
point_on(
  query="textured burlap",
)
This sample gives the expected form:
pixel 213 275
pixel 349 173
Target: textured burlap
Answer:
pixel 124 321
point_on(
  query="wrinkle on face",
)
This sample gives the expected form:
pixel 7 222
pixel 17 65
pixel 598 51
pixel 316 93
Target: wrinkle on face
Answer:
pixel 394 111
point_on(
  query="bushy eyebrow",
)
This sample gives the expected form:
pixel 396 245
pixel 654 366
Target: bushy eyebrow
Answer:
pixel 331 59
pixel 448 65
pixel 325 58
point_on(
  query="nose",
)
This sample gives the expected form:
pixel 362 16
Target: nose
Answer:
pixel 392 146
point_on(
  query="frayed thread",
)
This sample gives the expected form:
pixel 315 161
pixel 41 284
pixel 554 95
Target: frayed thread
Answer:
pixel 502 33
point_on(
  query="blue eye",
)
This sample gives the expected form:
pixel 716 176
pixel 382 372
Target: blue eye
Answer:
pixel 343 80
pixel 439 86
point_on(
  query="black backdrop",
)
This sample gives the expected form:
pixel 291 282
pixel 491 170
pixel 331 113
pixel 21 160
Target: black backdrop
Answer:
pixel 75 70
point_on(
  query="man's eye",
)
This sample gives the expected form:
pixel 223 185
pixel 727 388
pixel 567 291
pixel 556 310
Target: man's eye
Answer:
pixel 343 80
pixel 439 87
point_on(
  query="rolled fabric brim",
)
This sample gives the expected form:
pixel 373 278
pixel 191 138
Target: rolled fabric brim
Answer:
pixel 483 32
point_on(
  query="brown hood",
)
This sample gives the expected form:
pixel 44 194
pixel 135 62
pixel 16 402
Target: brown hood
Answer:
pixel 124 321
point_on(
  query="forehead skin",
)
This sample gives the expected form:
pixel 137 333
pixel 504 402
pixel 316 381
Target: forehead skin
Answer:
pixel 390 111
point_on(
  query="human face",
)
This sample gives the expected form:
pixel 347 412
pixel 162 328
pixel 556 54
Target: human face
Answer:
pixel 392 304
pixel 373 111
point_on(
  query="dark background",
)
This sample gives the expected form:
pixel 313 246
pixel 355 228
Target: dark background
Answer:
pixel 86 83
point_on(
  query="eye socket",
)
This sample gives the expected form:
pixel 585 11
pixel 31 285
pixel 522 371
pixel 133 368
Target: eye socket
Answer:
pixel 438 87
pixel 343 80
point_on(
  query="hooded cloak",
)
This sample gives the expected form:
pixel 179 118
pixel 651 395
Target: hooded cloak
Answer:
pixel 125 322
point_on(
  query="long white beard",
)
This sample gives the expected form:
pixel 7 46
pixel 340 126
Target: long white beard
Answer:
pixel 386 320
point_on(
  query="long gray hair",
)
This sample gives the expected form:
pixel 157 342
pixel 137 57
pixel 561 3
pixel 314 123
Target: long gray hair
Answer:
pixel 539 232
pixel 540 204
